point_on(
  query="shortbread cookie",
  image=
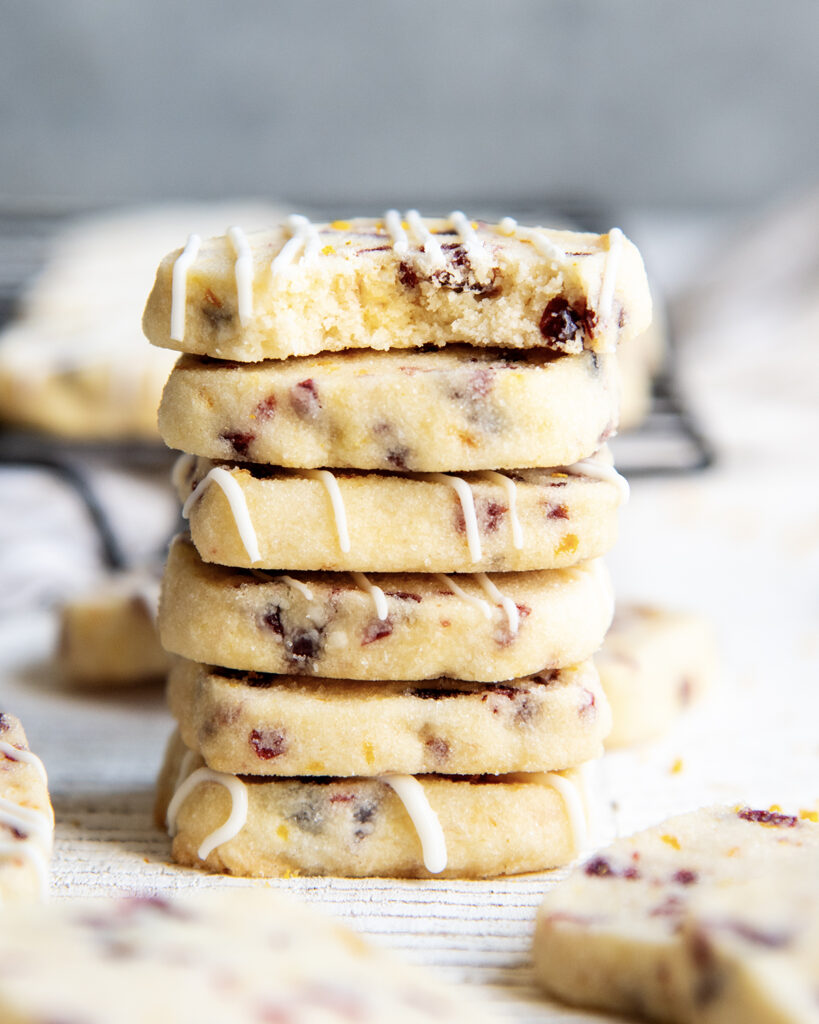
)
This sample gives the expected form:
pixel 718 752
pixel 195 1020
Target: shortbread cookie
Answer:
pixel 304 288
pixel 653 664
pixel 709 917
pixel 395 825
pixel 254 724
pixel 234 955
pixel 459 409
pixel 26 818
pixel 527 519
pixel 108 637
pixel 400 626
pixel 74 362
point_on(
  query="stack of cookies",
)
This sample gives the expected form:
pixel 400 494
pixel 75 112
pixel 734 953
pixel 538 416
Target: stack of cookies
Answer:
pixel 398 491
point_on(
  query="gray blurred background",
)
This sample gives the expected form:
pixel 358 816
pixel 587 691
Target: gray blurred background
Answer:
pixel 601 103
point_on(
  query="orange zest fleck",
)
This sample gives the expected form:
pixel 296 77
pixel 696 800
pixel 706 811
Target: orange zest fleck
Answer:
pixel 672 841
pixel 340 225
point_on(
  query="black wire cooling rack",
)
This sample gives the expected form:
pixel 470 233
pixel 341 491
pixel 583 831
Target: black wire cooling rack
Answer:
pixel 669 442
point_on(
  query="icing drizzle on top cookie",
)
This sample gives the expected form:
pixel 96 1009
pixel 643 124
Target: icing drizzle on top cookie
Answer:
pixel 179 286
pixel 243 271
pixel 303 245
pixel 541 241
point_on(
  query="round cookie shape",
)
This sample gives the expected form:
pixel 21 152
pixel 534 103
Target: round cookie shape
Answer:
pixel 711 915
pixel 527 519
pixel 395 626
pixel 299 289
pixel 358 827
pixel 654 663
pixel 253 724
pixel 457 409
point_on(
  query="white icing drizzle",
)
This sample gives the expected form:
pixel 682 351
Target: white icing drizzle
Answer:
pixel 476 602
pixel 411 794
pixel 304 242
pixel 238 506
pixel 238 811
pixel 573 802
pixel 27 820
pixel 511 489
pixel 605 300
pixel 600 471
pixel 432 255
pixel 340 513
pixel 400 241
pixel 302 588
pixel 541 241
pixel 182 470
pixel 467 499
pixel 476 251
pixel 376 593
pixel 25 756
pixel 179 286
pixel 243 271
pixel 508 605
pixel 33 854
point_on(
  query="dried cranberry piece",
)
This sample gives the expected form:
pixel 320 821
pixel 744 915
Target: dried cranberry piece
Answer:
pixel 4 723
pixel 304 399
pixel 407 275
pixel 397 456
pixel 768 818
pixel 557 512
pixel 239 442
pixel 599 867
pixel 268 743
pixel 403 595
pixel 491 516
pixel 685 877
pixel 561 322
pixel 438 747
pixel 376 630
pixel 266 409
pixel 304 645
pixel 272 618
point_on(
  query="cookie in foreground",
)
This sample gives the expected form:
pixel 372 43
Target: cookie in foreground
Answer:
pixel 237 955
pixel 26 817
pixel 400 826
pixel 712 917
pixel 456 409
pixel 401 522
pixel 303 288
pixel 383 626
pixel 254 724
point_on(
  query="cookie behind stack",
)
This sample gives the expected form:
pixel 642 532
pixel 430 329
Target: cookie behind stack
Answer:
pixel 425 717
